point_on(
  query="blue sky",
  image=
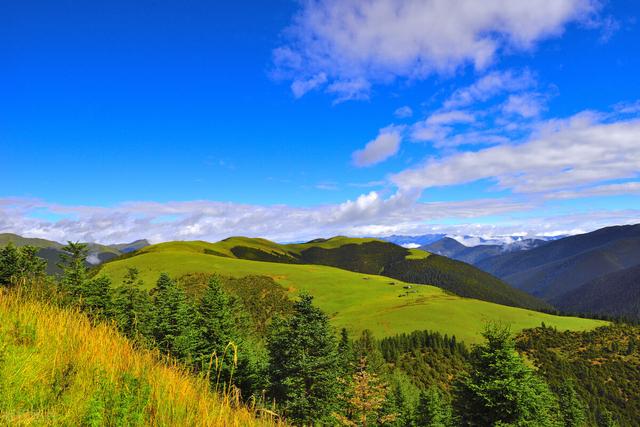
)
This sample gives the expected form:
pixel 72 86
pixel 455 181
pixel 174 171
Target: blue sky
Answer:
pixel 293 120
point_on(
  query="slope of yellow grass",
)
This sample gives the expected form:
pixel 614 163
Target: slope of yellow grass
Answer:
pixel 58 369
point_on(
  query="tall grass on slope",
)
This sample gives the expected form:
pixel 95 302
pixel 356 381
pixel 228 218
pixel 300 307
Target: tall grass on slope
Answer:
pixel 58 369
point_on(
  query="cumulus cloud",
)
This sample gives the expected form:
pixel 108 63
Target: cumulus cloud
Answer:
pixel 585 149
pixel 385 145
pixel 356 43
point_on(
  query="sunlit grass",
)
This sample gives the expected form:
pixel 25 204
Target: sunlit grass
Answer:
pixel 56 368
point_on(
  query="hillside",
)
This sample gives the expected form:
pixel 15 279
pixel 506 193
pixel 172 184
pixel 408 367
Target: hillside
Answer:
pixel 614 294
pixel 603 365
pixel 355 301
pixel 58 369
pixel 373 256
pixel 558 267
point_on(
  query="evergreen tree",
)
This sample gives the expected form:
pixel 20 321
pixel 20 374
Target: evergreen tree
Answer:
pixel 571 408
pixel 96 297
pixel 501 389
pixel 74 269
pixel 303 364
pixel 9 264
pixel 20 265
pixel 433 410
pixel 364 399
pixel 219 342
pixel 131 306
pixel 174 317
pixel 367 346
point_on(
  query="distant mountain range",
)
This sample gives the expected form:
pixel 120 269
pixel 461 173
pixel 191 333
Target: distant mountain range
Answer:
pixel 597 267
pixel 426 240
pixel 452 248
pixel 50 250
pixel 591 273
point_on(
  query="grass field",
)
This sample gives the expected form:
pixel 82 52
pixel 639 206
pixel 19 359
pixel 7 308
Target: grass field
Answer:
pixel 57 369
pixel 353 300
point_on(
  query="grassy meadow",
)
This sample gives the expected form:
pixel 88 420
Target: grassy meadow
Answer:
pixel 58 369
pixel 352 300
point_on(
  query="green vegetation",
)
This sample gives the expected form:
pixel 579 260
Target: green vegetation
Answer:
pixel 353 301
pixel 303 364
pixel 499 389
pixel 56 368
pixel 601 366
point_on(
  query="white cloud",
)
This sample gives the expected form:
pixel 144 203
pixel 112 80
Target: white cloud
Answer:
pixel 527 105
pixel 448 117
pixel 562 154
pixel 300 87
pixel 628 107
pixel 356 43
pixel 384 146
pixel 625 188
pixel 403 112
pixel 490 85
pixel 370 214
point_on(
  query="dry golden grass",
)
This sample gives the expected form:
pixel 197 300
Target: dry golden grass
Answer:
pixel 56 368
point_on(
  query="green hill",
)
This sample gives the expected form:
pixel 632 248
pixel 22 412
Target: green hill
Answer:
pixel 355 301
pixel 373 256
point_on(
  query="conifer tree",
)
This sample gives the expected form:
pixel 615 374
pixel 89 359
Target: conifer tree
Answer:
pixel 303 364
pixel 74 269
pixel 131 306
pixel 367 346
pixel 96 297
pixel 364 399
pixel 216 330
pixel 20 265
pixel 571 408
pixel 174 317
pixel 501 389
pixel 433 410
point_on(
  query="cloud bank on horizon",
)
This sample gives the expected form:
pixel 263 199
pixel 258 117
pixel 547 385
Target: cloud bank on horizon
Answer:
pixel 520 165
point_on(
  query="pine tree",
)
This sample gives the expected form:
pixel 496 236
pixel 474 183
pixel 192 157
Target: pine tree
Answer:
pixel 303 364
pixel 9 264
pixel 96 297
pixel 173 325
pixel 571 408
pixel 364 399
pixel 74 269
pixel 501 389
pixel 367 346
pixel 216 331
pixel 131 306
pixel 433 410
pixel 20 265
